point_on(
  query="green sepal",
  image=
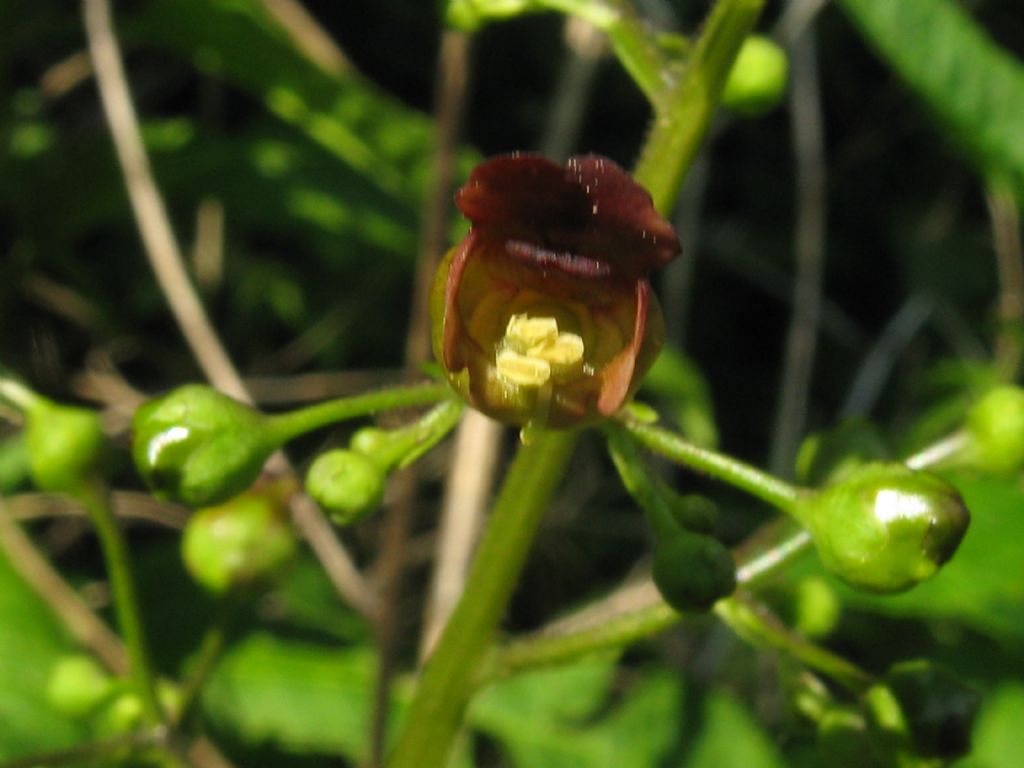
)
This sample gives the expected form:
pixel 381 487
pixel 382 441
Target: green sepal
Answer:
pixel 198 446
pixel 884 528
pixel 693 572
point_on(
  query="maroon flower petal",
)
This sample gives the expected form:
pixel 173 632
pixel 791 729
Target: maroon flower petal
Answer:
pixel 590 210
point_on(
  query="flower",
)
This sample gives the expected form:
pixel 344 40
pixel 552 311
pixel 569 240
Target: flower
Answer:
pixel 543 313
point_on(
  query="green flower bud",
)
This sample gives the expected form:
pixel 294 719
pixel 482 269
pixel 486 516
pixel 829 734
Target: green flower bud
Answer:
pixel 198 446
pixel 885 528
pixel 66 445
pixel 757 81
pixel 122 715
pixel 347 484
pixel 937 709
pixel 692 572
pixel 832 455
pixel 78 685
pixel 245 542
pixel 996 428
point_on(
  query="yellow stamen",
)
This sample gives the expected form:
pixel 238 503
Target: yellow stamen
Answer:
pixel 533 349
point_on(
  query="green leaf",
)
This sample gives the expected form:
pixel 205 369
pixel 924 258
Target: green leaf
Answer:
pixel 731 736
pixel 550 718
pixel 998 739
pixel 31 642
pixel 297 696
pixel 975 88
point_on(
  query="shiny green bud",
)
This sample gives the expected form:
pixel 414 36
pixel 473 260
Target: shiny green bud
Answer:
pixel 66 445
pixel 757 80
pixel 996 429
pixel 198 446
pixel 347 484
pixel 885 528
pixel 692 572
pixel 78 685
pixel 937 709
pixel 245 542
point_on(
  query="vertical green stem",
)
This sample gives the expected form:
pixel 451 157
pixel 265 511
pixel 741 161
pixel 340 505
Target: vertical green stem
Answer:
pixel 94 497
pixel 436 712
pixel 680 125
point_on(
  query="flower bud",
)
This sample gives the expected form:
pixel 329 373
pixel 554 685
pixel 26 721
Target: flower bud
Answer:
pixel 884 528
pixel 757 80
pixel 347 484
pixel 692 571
pixel 198 446
pixel 996 428
pixel 245 542
pixel 78 685
pixel 817 607
pixel 66 445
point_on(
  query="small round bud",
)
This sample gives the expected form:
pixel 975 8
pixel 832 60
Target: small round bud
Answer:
pixel 122 715
pixel 938 710
pixel 885 528
pixel 66 445
pixel 996 427
pixel 243 543
pixel 692 572
pixel 348 485
pixel 370 440
pixel 78 685
pixel 817 607
pixel 198 446
pixel 757 81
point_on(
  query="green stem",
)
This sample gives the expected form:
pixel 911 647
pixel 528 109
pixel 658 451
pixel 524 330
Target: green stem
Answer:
pixel 283 427
pixel 755 623
pixel 94 498
pixel 637 50
pixel 679 126
pixel 436 712
pixel 754 481
pixel 206 659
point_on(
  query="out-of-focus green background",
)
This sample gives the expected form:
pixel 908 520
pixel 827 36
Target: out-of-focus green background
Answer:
pixel 313 180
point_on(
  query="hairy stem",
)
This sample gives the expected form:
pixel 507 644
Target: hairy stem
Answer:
pixel 436 711
pixel 756 482
pixel 681 123
pixel 287 426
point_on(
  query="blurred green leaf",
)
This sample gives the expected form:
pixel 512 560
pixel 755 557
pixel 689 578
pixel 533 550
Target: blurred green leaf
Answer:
pixel 296 696
pixel 730 736
pixel 677 381
pixel 551 718
pixel 974 87
pixel 31 642
pixel 998 739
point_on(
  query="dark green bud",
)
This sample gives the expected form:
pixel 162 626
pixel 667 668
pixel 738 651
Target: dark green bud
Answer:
pixel 198 446
pixel 66 445
pixel 996 429
pixel 937 709
pixel 757 81
pixel 78 685
pixel 244 543
pixel 885 528
pixel 347 484
pixel 692 572
pixel 832 455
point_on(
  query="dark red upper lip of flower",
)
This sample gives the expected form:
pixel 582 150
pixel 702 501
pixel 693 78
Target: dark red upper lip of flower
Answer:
pixel 588 218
